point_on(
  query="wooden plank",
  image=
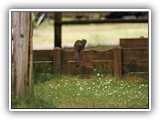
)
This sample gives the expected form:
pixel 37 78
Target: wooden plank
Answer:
pixel 135 50
pixel 88 55
pixel 102 21
pixel 57 60
pixel 133 42
pixel 22 56
pixel 42 55
pixel 136 54
pixel 30 61
pixel 105 66
pixel 88 67
pixel 135 66
pixel 117 62
pixel 96 55
pixel 67 55
pixel 84 68
pixel 135 60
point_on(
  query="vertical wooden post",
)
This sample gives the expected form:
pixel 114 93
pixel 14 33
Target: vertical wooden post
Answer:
pixel 117 62
pixel 57 29
pixel 30 57
pixel 22 47
pixel 57 60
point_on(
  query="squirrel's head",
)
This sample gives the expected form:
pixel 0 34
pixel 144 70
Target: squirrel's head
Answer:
pixel 84 41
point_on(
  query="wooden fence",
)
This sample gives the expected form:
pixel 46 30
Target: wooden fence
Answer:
pixel 130 57
pixel 135 57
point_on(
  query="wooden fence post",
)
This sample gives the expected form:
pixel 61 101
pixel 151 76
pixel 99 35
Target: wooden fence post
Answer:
pixel 117 62
pixel 22 50
pixel 57 60
pixel 57 29
pixel 30 59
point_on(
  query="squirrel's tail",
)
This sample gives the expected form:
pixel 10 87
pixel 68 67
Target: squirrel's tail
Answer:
pixel 76 57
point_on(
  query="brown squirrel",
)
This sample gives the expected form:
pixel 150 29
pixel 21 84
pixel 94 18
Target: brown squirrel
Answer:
pixel 78 46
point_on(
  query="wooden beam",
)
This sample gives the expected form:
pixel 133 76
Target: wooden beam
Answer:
pixel 57 29
pixel 117 62
pixel 57 60
pixel 134 42
pixel 100 21
pixel 22 48
pixel 30 56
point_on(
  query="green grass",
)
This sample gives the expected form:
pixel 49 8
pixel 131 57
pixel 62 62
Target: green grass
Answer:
pixel 98 91
pixel 94 33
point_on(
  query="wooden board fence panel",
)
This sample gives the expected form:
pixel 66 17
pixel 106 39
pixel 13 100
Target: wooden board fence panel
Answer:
pixel 97 55
pixel 105 66
pixel 136 54
pixel 135 60
pixel 135 66
pixel 134 42
pixel 88 67
pixel 84 68
pixel 43 55
pixel 132 60
pixel 88 55
pixel 67 55
pixel 89 60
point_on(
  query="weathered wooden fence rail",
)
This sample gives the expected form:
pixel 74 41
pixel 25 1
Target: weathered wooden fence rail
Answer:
pixel 128 58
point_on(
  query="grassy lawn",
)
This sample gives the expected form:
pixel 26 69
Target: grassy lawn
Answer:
pixel 99 91
pixel 94 33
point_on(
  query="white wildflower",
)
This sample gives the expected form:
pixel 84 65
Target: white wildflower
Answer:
pixel 98 74
pixel 109 93
pixel 142 85
pixel 89 88
pixel 110 80
pixel 81 88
